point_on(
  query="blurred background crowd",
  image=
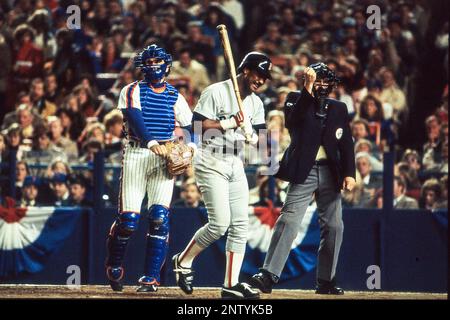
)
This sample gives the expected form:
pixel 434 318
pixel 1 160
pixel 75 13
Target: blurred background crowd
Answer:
pixel 59 87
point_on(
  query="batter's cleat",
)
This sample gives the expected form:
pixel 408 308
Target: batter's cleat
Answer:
pixel 148 284
pixel 115 275
pixel 183 276
pixel 241 290
pixel 264 281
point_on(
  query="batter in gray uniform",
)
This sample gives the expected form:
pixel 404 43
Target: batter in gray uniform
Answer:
pixel 220 174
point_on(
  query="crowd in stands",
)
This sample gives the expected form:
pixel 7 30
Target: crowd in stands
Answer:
pixel 59 87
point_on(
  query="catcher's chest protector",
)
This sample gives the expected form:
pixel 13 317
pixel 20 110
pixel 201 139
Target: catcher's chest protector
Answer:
pixel 158 110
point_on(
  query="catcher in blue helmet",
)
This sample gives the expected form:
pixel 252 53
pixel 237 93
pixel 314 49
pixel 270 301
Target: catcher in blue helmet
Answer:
pixel 154 63
pixel 151 108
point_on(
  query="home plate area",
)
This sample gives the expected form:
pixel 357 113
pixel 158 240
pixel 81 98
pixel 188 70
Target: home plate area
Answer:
pixel 129 292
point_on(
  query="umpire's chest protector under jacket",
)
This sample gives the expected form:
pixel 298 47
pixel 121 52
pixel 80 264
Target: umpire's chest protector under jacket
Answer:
pixel 307 134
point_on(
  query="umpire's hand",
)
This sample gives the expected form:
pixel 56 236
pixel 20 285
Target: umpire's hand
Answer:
pixel 310 77
pixel 349 184
pixel 160 150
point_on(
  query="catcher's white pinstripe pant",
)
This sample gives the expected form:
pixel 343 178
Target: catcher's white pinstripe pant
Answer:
pixel 143 171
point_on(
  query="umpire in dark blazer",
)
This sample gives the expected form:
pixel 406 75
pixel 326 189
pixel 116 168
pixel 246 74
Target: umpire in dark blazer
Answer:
pixel 319 162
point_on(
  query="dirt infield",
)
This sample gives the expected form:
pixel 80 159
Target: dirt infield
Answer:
pixel 104 292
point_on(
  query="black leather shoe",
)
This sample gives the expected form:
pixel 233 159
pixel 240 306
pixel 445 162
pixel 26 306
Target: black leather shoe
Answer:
pixel 115 276
pixel 183 276
pixel 328 287
pixel 264 281
pixel 239 291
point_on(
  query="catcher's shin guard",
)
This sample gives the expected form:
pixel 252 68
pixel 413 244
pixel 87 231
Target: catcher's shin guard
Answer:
pixel 157 243
pixel 121 231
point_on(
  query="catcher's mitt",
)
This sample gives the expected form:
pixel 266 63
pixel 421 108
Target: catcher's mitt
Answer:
pixel 179 157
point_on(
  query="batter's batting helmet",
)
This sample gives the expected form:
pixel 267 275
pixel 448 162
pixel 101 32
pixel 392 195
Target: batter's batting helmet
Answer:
pixel 153 72
pixel 258 62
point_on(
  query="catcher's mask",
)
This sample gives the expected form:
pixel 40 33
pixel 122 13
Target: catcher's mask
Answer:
pixel 145 60
pixel 325 80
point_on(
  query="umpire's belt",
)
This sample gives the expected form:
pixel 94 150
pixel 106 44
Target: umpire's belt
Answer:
pixel 322 162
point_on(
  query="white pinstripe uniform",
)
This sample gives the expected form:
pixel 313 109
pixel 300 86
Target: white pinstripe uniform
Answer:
pixel 142 170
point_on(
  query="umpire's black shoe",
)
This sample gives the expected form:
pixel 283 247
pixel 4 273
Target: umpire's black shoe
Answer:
pixel 183 276
pixel 115 275
pixel 328 287
pixel 241 290
pixel 264 281
pixel 148 284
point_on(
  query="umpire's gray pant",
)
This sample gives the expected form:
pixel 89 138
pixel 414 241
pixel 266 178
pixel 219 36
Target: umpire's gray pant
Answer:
pixel 321 183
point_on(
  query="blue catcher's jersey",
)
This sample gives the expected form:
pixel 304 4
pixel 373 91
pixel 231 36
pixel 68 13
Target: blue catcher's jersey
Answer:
pixel 159 110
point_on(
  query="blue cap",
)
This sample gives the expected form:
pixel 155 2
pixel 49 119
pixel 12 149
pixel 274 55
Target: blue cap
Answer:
pixel 59 178
pixel 31 181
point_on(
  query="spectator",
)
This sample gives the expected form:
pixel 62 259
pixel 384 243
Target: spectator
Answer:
pixel 60 190
pixel 11 117
pixel 392 94
pixel 412 158
pixel 44 107
pixel 28 58
pixel 260 176
pixel 372 110
pixel 273 42
pixel 360 129
pixel 22 171
pixel 25 121
pixel 370 181
pixel 432 148
pixel 113 123
pixel 42 150
pixel 190 196
pixel 90 148
pixel 401 201
pixel 364 145
pixel 30 192
pixel 443 168
pixel 264 200
pixel 277 130
pixel 68 146
pixel 44 38
pixel 430 194
pixel 94 130
pixel 85 100
pixel 58 166
pixel 13 136
pixel 6 63
pixel 185 66
pixel 3 149
pixel 211 18
pixel 200 49
pixel 72 122
pixel 443 204
pixel 411 178
pixel 52 93
pixel 78 186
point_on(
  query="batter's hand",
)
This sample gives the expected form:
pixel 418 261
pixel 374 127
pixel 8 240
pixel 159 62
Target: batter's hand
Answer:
pixel 159 149
pixel 239 118
pixel 310 77
pixel 349 183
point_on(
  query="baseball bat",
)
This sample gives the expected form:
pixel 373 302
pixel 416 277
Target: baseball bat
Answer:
pixel 228 56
